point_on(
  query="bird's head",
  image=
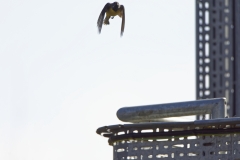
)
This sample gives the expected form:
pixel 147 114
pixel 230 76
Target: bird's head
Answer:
pixel 116 3
pixel 115 6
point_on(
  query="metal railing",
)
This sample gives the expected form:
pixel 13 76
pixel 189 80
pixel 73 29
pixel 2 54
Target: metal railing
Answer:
pixel 212 139
pixel 149 113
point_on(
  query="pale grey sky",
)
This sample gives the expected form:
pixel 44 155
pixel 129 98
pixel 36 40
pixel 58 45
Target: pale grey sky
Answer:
pixel 61 80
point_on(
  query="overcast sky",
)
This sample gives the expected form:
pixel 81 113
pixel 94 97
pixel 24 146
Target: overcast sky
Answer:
pixel 60 80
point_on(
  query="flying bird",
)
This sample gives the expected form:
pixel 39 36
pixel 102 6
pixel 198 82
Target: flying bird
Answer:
pixel 111 10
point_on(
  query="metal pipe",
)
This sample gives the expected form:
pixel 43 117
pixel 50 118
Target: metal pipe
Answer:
pixel 215 107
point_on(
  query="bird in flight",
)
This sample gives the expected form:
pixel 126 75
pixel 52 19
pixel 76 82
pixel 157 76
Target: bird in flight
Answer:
pixel 111 10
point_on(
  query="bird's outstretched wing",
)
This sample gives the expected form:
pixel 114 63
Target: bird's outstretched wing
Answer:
pixel 123 19
pixel 101 17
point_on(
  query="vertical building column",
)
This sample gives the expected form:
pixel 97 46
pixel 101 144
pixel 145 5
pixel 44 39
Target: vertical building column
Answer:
pixel 216 51
pixel 236 35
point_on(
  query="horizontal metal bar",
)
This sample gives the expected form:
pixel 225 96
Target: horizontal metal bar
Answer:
pixel 159 135
pixel 221 122
pixel 215 107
